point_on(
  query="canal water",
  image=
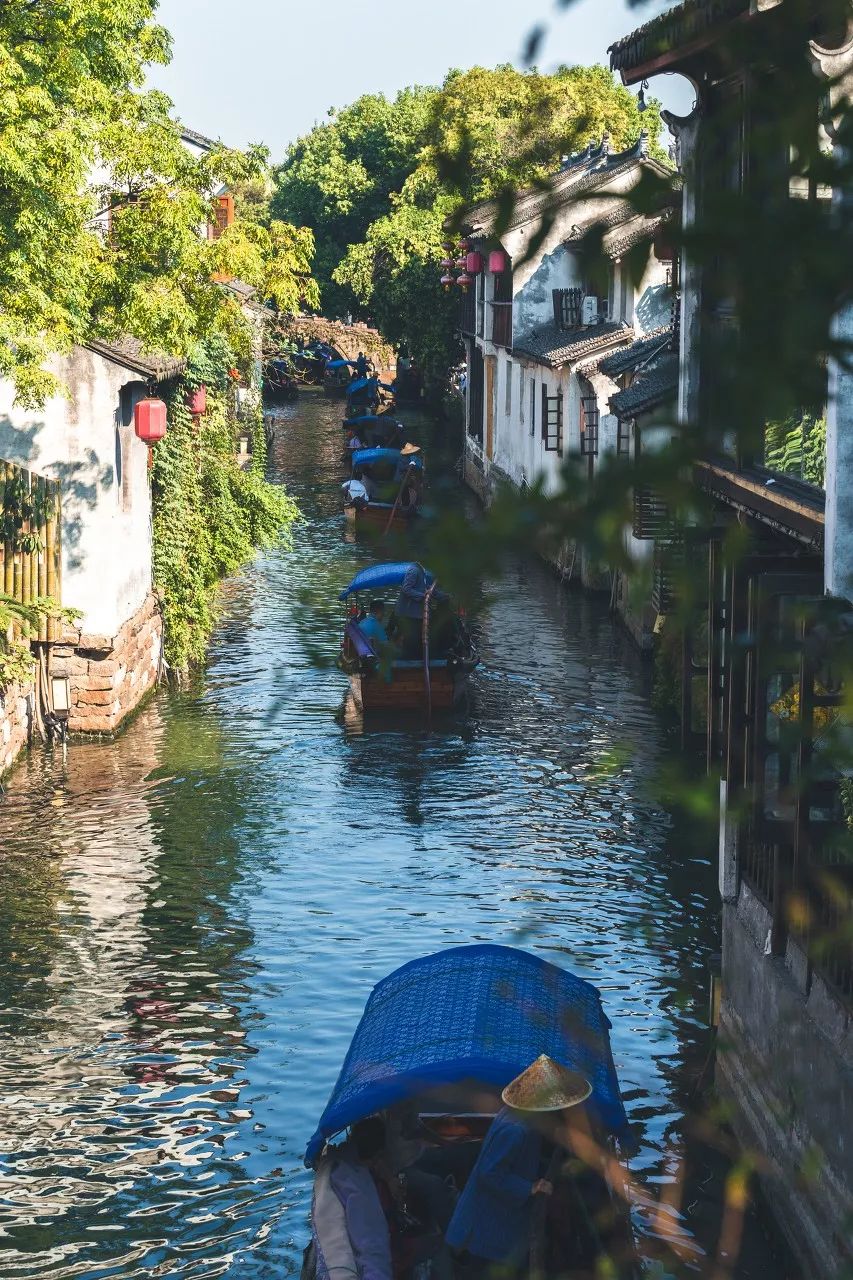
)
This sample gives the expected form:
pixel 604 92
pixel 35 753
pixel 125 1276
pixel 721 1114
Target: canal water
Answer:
pixel 192 918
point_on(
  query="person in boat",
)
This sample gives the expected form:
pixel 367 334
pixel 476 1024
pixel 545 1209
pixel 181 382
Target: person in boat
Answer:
pixel 373 626
pixel 361 365
pixel 492 1221
pixel 356 494
pixel 360 1220
pixel 354 443
pixel 349 1225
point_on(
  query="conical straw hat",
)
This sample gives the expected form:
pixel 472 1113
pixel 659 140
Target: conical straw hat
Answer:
pixel 546 1086
pixel 410 448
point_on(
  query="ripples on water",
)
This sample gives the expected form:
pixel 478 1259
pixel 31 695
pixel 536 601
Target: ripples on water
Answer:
pixel 191 919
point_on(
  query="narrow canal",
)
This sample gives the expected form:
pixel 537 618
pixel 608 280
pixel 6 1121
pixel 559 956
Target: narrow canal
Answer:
pixel 192 918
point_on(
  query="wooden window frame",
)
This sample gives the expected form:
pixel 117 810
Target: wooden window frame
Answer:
pixel 552 422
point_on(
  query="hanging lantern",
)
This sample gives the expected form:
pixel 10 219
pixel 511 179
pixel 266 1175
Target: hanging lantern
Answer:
pixel 464 245
pixel 464 281
pixel 498 262
pixel 447 263
pixel 149 420
pixel 459 264
pixel 447 280
pixel 197 401
pixel 474 264
pixel 447 245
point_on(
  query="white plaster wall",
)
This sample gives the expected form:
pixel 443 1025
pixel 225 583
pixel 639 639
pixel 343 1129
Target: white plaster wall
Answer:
pixel 106 501
pixel 519 453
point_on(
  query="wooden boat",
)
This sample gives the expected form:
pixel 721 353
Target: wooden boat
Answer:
pixel 376 430
pixel 437 1042
pixel 430 658
pixel 393 483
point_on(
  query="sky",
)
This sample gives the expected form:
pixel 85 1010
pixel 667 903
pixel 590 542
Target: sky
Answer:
pixel 268 70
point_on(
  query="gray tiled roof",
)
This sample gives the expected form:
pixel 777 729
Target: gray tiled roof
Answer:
pixel 555 347
pixel 676 27
pixel 652 387
pixel 198 139
pixel 592 167
pixel 130 353
pixel 629 357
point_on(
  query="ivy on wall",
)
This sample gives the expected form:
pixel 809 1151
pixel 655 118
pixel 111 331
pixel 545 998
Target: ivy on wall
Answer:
pixel 209 514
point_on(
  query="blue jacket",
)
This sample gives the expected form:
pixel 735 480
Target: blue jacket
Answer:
pixel 492 1217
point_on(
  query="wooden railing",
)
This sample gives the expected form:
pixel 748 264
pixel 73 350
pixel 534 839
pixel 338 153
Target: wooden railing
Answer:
pixel 30 547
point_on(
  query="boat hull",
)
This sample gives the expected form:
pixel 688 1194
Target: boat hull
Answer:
pixel 406 690
pixel 377 515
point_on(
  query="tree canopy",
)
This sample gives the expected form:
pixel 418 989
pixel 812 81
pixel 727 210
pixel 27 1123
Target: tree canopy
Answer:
pixel 102 208
pixel 378 179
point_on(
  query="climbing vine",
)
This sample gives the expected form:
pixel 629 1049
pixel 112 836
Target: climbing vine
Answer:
pixel 209 514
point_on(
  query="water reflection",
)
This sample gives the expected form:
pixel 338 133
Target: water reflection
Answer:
pixel 192 918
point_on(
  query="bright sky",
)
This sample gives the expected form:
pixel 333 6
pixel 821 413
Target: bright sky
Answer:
pixel 267 70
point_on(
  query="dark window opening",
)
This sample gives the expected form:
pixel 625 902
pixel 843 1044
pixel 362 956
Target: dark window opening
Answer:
pixel 552 422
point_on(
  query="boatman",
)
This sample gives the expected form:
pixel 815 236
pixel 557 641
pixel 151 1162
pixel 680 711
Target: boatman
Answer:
pixel 492 1221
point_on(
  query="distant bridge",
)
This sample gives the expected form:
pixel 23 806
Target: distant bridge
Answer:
pixel 348 339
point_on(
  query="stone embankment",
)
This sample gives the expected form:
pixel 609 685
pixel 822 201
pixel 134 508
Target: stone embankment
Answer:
pixel 110 674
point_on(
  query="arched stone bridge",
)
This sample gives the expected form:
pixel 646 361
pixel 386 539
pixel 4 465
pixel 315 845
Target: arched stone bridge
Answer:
pixel 348 339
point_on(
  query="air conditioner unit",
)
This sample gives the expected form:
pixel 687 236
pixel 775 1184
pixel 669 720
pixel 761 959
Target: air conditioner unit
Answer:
pixel 589 310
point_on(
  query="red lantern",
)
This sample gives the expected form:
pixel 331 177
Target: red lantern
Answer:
pixel 464 245
pixel 497 262
pixel 197 401
pixel 149 420
pixel 447 263
pixel 447 280
pixel 474 264
pixel 464 281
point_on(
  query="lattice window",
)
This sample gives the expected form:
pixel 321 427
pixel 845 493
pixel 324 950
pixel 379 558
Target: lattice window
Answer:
pixel 552 422
pixel 624 437
pixel 568 304
pixel 651 518
pixel 590 417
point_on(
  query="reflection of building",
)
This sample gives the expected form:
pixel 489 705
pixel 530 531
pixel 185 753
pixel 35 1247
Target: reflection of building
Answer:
pixel 759 686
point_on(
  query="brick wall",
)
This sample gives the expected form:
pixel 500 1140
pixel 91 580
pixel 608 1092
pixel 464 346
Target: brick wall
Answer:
pixel 15 720
pixel 110 674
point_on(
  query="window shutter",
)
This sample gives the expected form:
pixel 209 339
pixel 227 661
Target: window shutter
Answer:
pixel 223 216
pixel 552 421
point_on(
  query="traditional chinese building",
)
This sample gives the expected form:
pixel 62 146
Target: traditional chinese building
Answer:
pixel 758 685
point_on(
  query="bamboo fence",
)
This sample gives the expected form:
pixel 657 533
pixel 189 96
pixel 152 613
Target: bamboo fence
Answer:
pixel 30 548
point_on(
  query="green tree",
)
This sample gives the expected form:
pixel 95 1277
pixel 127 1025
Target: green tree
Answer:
pixel 102 209
pixel 337 179
pixel 490 131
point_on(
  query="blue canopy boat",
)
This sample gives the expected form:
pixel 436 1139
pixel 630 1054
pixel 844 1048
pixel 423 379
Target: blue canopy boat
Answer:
pixel 443 1035
pixel 376 430
pixel 390 486
pixel 430 654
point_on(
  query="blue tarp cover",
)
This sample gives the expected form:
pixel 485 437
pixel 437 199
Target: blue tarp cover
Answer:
pixel 482 1013
pixel 377 577
pixel 364 457
pixel 358 384
pixel 370 420
pixel 340 364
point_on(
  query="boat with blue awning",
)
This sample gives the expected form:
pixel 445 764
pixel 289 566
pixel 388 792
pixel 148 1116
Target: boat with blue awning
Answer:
pixel 386 485
pixel 438 1041
pixel 424 661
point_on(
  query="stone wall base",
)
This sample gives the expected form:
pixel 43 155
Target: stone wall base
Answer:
pixel 16 722
pixel 110 675
pixel 784 1067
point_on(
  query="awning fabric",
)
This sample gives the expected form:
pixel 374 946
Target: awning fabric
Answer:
pixel 480 1013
